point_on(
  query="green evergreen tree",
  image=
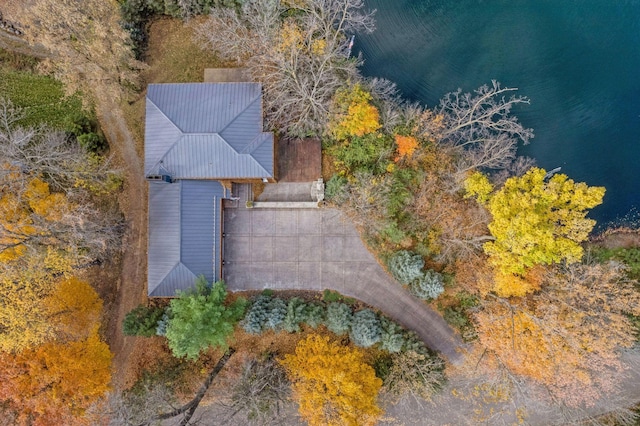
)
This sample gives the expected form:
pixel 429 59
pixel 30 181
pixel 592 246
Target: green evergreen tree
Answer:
pixel 406 266
pixel 200 319
pixel 338 318
pixel 428 286
pixel 142 321
pixel 296 310
pixel 392 338
pixel 365 328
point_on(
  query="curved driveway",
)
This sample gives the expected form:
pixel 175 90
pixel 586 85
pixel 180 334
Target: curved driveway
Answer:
pixel 317 249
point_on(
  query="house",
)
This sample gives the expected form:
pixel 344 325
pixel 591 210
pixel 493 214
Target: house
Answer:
pixel 197 136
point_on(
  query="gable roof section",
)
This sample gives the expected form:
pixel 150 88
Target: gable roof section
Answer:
pixel 184 234
pixel 207 131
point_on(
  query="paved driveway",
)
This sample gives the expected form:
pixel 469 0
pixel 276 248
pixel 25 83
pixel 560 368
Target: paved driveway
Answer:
pixel 317 249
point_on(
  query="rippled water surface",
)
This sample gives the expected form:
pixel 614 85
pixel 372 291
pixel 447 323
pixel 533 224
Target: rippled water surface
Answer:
pixel 577 60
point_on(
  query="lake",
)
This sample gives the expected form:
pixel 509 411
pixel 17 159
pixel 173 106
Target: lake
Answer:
pixel 577 60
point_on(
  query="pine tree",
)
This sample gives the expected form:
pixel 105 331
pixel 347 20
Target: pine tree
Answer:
pixel 365 328
pixel 339 318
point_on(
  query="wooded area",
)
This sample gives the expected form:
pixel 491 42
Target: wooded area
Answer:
pixel 439 194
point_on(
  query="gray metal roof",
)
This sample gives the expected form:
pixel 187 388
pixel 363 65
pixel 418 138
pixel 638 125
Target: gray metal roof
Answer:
pixel 185 220
pixel 207 131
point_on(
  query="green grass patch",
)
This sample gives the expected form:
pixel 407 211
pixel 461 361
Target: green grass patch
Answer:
pixel 329 296
pixel 629 256
pixel 44 102
pixel 42 98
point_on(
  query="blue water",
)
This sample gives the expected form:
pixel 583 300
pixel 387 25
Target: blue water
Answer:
pixel 577 60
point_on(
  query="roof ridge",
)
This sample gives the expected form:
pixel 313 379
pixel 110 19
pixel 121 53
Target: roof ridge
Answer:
pixel 249 104
pixel 159 161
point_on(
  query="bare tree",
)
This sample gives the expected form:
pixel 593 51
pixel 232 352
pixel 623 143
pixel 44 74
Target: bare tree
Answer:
pixel 480 129
pixel 299 51
pixel 62 162
pixel 261 393
pixel 62 216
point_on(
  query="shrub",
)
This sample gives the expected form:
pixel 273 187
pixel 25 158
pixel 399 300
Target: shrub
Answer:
pixel 277 313
pixel 256 316
pixel 339 318
pixel 365 328
pixel 295 315
pixel 413 343
pixel 266 312
pixel 336 189
pixel 329 296
pixel 428 286
pixel 313 314
pixel 416 374
pixel 161 329
pixel 392 337
pixel 142 321
pixel 406 266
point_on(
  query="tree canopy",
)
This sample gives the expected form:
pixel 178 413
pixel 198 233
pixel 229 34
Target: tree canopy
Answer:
pixel 199 319
pixel 536 220
pixel 332 383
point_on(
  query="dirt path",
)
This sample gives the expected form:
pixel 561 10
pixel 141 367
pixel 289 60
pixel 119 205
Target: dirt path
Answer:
pixel 131 287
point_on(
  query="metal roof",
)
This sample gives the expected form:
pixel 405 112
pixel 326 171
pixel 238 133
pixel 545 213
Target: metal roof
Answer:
pixel 207 131
pixel 185 220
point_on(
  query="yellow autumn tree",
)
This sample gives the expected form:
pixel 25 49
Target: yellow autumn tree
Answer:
pixel 332 383
pixel 355 115
pixel 24 321
pixel 73 309
pixel 536 220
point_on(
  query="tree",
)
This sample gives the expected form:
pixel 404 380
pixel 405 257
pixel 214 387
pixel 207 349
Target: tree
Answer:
pixel 339 318
pixel 478 127
pixel 392 336
pixel 89 50
pixel 428 286
pixel 332 384
pixel 406 266
pixel 354 115
pixel 142 321
pixel 536 220
pixel 200 319
pixel 55 383
pixel 261 391
pixel 365 328
pixel 298 50
pixel 566 336
pixel 74 308
pixel 24 317
pixel 414 374
pixel 405 146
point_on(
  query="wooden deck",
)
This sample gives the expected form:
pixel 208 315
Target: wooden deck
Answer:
pixel 299 160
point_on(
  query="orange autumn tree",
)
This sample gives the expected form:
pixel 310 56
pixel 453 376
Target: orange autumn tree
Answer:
pixel 53 364
pixel 54 383
pixel 332 383
pixel 406 146
pixel 568 334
